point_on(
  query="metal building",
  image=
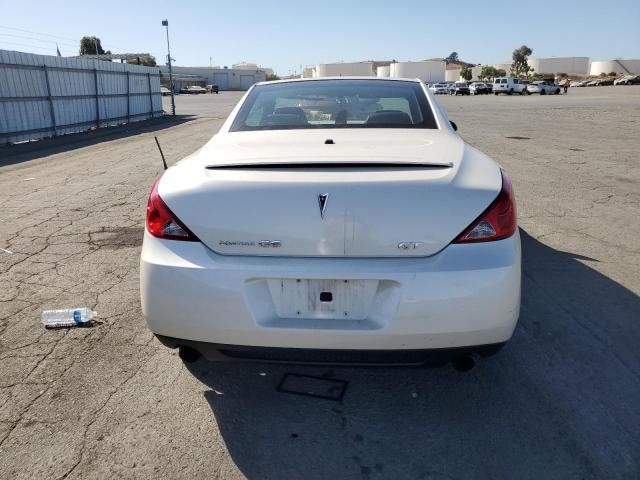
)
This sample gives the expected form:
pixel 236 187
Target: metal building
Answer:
pixel 225 78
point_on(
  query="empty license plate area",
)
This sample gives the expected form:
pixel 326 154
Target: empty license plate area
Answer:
pixel 322 298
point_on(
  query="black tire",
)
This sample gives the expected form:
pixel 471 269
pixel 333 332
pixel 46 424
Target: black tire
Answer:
pixel 558 91
pixel 489 350
pixel 495 93
pixel 510 92
pixel 543 91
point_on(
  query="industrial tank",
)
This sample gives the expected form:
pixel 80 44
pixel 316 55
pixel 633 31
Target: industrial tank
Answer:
pixel 358 69
pixel 427 71
pixel 384 71
pixel 619 66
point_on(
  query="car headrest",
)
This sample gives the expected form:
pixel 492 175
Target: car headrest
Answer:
pixel 284 119
pixel 297 111
pixel 389 117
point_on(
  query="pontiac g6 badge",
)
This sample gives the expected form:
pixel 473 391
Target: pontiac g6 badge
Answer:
pixel 323 198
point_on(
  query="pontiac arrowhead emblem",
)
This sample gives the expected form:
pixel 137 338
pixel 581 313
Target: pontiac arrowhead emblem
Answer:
pixel 323 198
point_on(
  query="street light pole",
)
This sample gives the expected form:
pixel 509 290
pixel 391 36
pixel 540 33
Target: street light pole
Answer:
pixel 165 23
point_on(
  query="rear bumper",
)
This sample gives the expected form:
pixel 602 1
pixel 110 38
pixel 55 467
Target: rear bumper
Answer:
pixel 240 353
pixel 466 295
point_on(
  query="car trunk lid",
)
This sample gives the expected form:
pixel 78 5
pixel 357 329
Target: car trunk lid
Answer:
pixel 371 193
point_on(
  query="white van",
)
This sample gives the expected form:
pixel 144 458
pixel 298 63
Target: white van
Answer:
pixel 509 86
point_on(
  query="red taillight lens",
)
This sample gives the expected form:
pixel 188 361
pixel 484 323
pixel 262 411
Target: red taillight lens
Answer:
pixel 162 223
pixel 496 222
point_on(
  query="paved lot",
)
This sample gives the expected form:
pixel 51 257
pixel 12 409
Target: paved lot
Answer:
pixel 561 402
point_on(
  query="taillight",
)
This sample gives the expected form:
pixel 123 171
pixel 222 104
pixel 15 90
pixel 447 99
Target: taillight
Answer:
pixel 496 222
pixel 162 223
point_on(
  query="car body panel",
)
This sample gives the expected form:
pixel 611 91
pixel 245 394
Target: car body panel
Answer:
pixel 466 295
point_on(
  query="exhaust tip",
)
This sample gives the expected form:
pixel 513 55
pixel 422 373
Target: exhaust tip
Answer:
pixel 188 354
pixel 463 363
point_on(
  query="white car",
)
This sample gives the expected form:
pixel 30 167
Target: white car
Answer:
pixel 333 220
pixel 439 89
pixel 509 86
pixel 628 80
pixel 543 87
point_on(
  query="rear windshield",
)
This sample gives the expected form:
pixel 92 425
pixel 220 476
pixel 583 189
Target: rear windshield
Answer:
pixel 335 104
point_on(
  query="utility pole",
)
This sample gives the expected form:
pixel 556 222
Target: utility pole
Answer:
pixel 165 23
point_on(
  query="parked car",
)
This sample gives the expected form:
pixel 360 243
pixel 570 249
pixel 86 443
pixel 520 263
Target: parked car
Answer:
pixel 591 83
pixel 193 89
pixel 628 80
pixel 605 82
pixel 324 250
pixel 478 88
pixel 213 89
pixel 164 91
pixel 578 83
pixel 439 89
pixel 508 85
pixel 543 87
pixel 489 86
pixel 459 88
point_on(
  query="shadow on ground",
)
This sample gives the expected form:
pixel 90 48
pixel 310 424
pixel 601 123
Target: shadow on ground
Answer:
pixel 24 152
pixel 560 401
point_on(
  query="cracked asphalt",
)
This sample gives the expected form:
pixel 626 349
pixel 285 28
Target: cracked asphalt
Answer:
pixel 561 401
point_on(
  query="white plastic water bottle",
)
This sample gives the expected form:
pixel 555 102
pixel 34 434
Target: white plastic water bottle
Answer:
pixel 68 317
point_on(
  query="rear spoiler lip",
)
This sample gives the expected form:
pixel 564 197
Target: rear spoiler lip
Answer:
pixel 327 164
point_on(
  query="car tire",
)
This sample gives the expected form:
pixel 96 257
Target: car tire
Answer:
pixel 558 91
pixel 510 92
pixel 489 350
pixel 495 93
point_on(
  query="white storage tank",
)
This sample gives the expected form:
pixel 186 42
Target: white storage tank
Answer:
pixel 308 72
pixel 384 71
pixel 452 75
pixel 356 69
pixel 627 67
pixel 568 65
pixel 427 71
pixel 245 66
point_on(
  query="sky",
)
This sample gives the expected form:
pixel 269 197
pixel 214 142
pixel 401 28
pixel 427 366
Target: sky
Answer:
pixel 286 35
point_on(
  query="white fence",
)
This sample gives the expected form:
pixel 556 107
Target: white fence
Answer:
pixel 45 96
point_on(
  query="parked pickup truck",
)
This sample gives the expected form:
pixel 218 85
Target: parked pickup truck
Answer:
pixel 509 86
pixel 543 87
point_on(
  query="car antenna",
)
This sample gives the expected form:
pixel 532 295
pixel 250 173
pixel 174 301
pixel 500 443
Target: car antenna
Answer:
pixel 164 162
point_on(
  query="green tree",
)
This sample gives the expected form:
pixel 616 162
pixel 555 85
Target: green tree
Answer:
pixel 272 77
pixel 146 60
pixel 501 72
pixel 520 66
pixel 466 73
pixel 613 74
pixel 91 46
pixel 453 57
pixel 488 73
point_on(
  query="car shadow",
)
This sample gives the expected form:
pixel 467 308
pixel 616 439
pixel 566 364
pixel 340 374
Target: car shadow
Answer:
pixel 560 401
pixel 26 151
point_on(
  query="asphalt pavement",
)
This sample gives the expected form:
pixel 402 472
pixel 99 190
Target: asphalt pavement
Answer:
pixel 561 401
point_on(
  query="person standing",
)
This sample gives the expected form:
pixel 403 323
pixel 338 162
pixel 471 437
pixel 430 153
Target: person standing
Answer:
pixel 567 81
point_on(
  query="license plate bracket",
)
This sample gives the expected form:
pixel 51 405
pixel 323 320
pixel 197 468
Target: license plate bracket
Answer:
pixel 322 298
